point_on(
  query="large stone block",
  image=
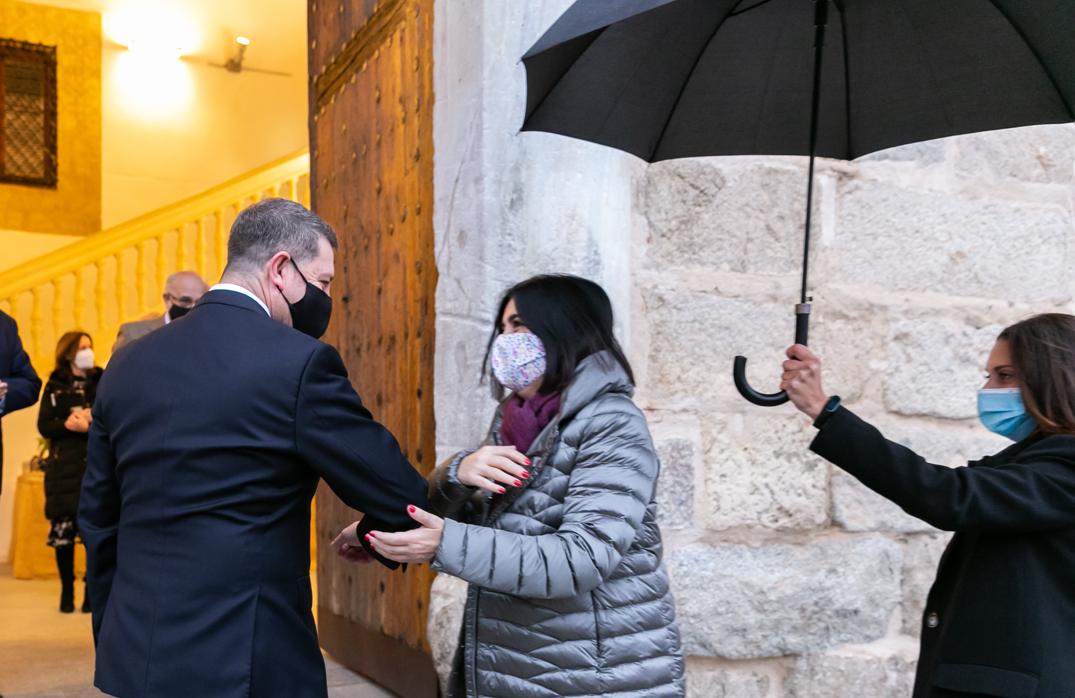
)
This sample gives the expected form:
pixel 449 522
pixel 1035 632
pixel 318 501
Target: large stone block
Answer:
pixel 936 367
pixel 884 671
pixel 857 508
pixel 904 239
pixel 924 153
pixel 921 555
pixel 447 598
pixel 675 487
pixel 761 473
pixel 745 216
pixel 740 602
pixel 852 344
pixel 728 683
pixel 462 402
pixel 693 337
pixel 1044 154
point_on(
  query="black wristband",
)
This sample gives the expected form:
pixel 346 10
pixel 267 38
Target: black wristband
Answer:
pixel 827 411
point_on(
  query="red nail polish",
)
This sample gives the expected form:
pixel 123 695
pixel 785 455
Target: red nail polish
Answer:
pixel 529 462
pixel 369 536
pixel 526 475
pixel 501 490
pixel 411 509
pixel 518 484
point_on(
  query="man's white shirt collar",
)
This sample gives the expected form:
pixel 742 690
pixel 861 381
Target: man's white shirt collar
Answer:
pixel 246 292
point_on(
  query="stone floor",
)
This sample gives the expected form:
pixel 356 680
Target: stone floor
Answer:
pixel 46 654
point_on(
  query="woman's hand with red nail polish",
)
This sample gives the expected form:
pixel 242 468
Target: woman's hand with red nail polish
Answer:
pixel 417 545
pixel 490 467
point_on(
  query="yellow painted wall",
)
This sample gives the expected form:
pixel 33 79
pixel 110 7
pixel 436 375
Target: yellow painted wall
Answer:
pixel 74 206
pixel 209 125
pixel 17 246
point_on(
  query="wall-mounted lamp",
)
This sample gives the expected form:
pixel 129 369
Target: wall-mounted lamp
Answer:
pixel 148 78
pixel 152 29
pixel 235 63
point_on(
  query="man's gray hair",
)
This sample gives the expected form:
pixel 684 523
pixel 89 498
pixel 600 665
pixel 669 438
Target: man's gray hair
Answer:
pixel 275 225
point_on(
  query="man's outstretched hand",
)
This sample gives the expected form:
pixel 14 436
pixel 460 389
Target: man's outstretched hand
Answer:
pixel 349 547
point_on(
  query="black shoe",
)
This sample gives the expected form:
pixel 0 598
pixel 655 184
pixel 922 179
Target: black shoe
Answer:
pixel 67 599
pixel 85 609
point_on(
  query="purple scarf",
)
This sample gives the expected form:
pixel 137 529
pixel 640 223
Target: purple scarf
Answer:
pixel 524 420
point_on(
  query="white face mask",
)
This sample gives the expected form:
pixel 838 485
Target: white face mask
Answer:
pixel 84 359
pixel 518 360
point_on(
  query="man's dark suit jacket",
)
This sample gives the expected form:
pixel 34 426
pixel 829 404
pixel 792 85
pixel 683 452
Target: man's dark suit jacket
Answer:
pixel 23 385
pixel 1000 618
pixel 208 441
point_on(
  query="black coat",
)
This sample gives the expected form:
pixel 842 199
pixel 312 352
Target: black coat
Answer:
pixel 1000 618
pixel 209 438
pixel 23 385
pixel 67 449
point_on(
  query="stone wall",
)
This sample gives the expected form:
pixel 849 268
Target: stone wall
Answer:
pixel 791 579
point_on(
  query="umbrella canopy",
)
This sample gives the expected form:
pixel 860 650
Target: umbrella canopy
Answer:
pixel 665 79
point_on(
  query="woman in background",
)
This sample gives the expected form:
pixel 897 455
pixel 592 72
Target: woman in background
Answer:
pixel 65 420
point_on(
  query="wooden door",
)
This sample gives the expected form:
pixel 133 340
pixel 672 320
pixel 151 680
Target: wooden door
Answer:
pixel 371 130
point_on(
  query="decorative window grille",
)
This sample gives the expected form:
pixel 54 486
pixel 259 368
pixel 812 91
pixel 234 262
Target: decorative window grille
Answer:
pixel 27 113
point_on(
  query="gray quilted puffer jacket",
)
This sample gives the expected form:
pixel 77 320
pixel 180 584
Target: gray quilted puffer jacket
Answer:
pixel 568 596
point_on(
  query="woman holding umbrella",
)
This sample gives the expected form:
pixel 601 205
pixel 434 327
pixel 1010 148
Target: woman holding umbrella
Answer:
pixel 1000 618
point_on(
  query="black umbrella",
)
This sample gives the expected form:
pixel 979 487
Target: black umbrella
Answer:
pixel 665 79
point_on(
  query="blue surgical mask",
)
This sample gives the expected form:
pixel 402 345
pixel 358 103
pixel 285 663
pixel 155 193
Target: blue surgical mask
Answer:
pixel 1002 412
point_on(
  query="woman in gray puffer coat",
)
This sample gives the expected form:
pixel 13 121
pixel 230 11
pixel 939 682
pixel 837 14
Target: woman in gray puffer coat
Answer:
pixel 553 520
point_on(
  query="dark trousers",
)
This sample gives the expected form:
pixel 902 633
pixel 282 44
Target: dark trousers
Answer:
pixel 65 563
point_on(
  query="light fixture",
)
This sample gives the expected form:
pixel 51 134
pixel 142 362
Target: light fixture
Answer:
pixel 148 79
pixel 152 28
pixel 235 63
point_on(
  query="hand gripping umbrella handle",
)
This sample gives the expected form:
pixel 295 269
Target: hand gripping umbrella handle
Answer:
pixel 739 370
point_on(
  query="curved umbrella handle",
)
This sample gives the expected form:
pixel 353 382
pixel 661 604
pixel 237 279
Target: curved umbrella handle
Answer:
pixel 739 369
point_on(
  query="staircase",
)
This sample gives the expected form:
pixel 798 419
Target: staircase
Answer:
pixel 118 275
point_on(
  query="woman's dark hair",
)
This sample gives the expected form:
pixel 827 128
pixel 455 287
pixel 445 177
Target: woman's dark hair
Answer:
pixel 572 317
pixel 1043 353
pixel 66 349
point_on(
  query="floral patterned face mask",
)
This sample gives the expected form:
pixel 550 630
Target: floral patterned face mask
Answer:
pixel 518 359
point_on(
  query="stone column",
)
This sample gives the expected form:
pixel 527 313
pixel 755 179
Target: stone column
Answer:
pixel 792 580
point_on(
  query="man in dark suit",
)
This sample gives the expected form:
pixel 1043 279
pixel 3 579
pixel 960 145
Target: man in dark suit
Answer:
pixel 208 440
pixel 19 384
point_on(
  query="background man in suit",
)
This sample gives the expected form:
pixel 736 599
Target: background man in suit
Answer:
pixel 19 384
pixel 208 441
pixel 181 291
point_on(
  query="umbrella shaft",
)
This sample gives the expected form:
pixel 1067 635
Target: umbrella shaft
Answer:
pixel 821 15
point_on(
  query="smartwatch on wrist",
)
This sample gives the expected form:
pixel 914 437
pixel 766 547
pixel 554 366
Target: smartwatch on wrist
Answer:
pixel 827 411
